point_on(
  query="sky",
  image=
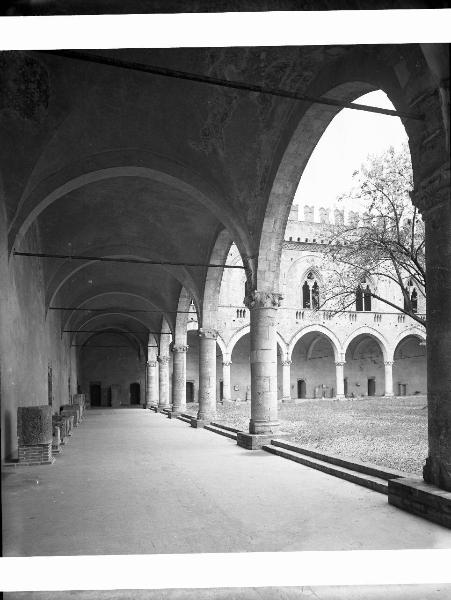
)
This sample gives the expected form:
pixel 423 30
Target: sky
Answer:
pixel 344 146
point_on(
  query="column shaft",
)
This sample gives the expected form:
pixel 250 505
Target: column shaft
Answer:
pixel 339 370
pixel 179 378
pixel 388 378
pixel 438 302
pixel 151 384
pixel 207 374
pixel 163 401
pixel 226 388
pixel 263 312
pixel 286 380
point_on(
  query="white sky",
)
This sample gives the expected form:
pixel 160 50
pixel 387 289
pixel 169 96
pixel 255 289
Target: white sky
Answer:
pixel 344 146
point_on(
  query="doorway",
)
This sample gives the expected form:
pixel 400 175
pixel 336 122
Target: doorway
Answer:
pixel 135 393
pixel 95 393
pixel 302 388
pixel 345 386
pixel 371 386
pixel 190 391
pixel 402 389
pixel 221 390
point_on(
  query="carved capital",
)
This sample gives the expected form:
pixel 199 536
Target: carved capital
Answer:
pixel 388 363
pixel 286 363
pixel 340 364
pixel 227 363
pixel 163 360
pixel 180 348
pixel 211 334
pixel 151 363
pixel 256 299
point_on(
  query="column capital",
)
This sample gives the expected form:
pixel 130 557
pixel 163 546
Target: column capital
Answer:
pixel 180 348
pixel 211 334
pixel 163 359
pixel 389 363
pixel 151 363
pixel 286 363
pixel 227 363
pixel 340 363
pixel 256 299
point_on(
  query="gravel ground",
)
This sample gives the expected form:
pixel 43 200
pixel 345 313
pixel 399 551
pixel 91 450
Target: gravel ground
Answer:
pixel 387 432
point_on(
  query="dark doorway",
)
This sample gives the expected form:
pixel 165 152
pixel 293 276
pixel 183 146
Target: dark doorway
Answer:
pixel 345 386
pixel 302 389
pixel 221 390
pixel 108 397
pixel 371 386
pixel 402 389
pixel 95 394
pixel 135 393
pixel 190 391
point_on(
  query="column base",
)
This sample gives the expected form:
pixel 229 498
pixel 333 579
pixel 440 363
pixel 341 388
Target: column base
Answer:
pixel 264 427
pixel 340 397
pixel 153 408
pixel 254 441
pixel 422 499
pixel 173 414
pixel 199 423
pixel 163 409
pixel 288 400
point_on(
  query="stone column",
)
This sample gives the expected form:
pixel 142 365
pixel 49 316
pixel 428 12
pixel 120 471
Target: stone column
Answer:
pixel 163 401
pixel 339 370
pixel 435 206
pixel 207 377
pixel 263 361
pixel 178 379
pixel 388 364
pixel 286 381
pixel 226 389
pixel 151 384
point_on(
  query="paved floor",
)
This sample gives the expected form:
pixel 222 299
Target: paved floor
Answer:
pixel 135 482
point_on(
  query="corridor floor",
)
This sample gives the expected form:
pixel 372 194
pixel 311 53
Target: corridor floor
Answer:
pixel 134 482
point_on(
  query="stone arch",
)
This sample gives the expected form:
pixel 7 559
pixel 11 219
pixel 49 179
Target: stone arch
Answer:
pixel 213 279
pixel 335 342
pixel 101 294
pixel 108 314
pixel 353 77
pixel 69 268
pixel 125 163
pixel 373 333
pixel 152 347
pixel 410 332
pixel 165 339
pixel 115 329
pixel 246 329
pixel 181 319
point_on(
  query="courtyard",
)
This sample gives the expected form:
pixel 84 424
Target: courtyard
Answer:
pixel 389 432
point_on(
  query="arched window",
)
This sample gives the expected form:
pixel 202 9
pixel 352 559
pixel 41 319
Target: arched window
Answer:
pixel 310 292
pixel 363 296
pixel 413 297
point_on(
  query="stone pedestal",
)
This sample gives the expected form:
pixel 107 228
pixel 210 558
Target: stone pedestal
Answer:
pixel 263 359
pixel 422 499
pixel 56 440
pixel 163 401
pixel 207 375
pixel 71 409
pixel 179 378
pixel 35 434
pixel 256 441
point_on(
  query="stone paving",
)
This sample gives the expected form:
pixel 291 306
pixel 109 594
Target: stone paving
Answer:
pixel 134 482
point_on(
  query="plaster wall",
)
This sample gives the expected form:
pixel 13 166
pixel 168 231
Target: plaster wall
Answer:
pixel 112 366
pixel 29 343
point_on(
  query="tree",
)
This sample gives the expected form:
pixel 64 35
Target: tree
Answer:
pixel 386 243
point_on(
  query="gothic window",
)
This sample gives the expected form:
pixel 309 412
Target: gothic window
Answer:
pixel 413 297
pixel 363 296
pixel 310 292
pixel 414 300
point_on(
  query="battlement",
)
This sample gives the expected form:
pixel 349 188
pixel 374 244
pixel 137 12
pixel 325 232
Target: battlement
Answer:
pixel 325 215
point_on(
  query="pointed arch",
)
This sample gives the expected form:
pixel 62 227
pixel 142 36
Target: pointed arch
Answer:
pixel 335 342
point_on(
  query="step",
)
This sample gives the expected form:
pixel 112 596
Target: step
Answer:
pixel 221 431
pixel 184 418
pixel 226 427
pixel 373 483
pixel 354 465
